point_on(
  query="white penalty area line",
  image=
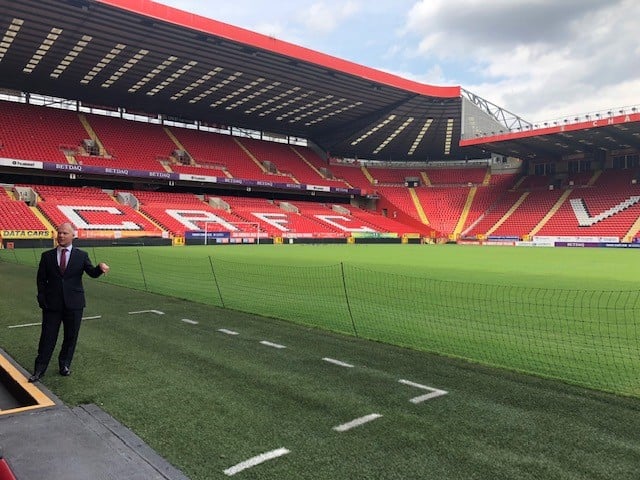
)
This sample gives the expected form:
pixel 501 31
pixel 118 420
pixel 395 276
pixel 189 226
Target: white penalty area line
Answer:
pixel 190 322
pixel 357 422
pixel 157 312
pixel 257 460
pixel 25 325
pixel 228 332
pixel 337 362
pixel 40 323
pixel 435 392
pixel 271 344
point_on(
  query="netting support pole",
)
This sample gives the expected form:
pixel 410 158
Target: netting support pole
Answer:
pixel 215 279
pixel 346 296
pixel 144 279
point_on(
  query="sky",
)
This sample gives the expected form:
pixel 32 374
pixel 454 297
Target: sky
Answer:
pixel 540 59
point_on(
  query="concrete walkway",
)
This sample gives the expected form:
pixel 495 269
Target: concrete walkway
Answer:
pixel 62 443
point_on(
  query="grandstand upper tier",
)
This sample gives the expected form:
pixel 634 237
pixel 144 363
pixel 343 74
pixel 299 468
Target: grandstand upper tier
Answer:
pixel 143 56
pixel 146 57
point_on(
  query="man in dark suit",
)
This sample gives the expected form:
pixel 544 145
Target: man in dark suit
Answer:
pixel 61 298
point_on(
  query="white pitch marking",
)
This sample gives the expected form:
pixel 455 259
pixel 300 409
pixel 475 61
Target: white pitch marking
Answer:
pixel 25 325
pixel 357 422
pixel 337 362
pixel 157 312
pixel 258 459
pixel 40 323
pixel 192 322
pixel 228 332
pixel 270 344
pixel 435 392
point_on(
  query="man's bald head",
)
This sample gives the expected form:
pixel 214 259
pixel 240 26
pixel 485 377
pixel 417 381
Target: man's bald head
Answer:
pixel 65 234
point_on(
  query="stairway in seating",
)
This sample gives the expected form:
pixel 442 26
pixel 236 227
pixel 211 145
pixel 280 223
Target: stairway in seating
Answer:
pixel 418 205
pixel 366 173
pixel 504 218
pixel 175 140
pixel 45 221
pixel 633 231
pixel 92 134
pixel 551 212
pixel 487 178
pixel 309 164
pixel 465 211
pixel 593 179
pixel 519 182
pixel 250 155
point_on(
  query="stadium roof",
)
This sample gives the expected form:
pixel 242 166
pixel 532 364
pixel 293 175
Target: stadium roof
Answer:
pixel 610 131
pixel 148 57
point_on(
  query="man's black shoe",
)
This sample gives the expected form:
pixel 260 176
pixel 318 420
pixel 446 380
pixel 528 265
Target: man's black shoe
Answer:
pixel 35 377
pixel 65 371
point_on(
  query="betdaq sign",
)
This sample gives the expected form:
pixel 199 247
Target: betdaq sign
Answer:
pixel 121 172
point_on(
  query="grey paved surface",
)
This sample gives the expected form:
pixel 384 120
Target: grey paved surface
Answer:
pixel 81 443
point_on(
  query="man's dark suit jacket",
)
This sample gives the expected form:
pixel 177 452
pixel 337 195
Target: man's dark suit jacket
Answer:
pixel 57 291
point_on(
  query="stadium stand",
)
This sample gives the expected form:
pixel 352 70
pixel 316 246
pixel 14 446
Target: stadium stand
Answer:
pixel 456 176
pixel 277 159
pixel 206 152
pixel 393 176
pixel 155 205
pixel 352 175
pixel 226 151
pixel 132 145
pixel 321 166
pixel 528 214
pixel 30 132
pixel 282 221
pixel 470 200
pixel 443 206
pixel 483 199
pixel 95 209
pixel 16 215
pixel 607 209
pixel 380 223
pixel 494 214
pixel 533 182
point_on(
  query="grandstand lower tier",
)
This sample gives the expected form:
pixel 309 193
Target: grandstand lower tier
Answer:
pixel 593 213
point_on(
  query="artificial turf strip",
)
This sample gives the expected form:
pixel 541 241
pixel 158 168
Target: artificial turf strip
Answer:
pixel 207 401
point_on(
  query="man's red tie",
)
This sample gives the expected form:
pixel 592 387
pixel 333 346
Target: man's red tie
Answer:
pixel 63 260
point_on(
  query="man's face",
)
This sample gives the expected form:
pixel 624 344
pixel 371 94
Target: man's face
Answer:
pixel 65 235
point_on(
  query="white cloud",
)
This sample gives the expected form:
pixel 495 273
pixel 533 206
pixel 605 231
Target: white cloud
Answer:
pixel 324 18
pixel 538 58
pixel 541 59
pixel 272 29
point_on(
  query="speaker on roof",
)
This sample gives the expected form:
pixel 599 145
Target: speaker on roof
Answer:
pixel 411 181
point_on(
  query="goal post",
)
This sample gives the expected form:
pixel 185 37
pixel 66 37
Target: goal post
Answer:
pixel 252 229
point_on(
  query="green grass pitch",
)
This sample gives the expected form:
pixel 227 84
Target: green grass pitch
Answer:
pixel 208 400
